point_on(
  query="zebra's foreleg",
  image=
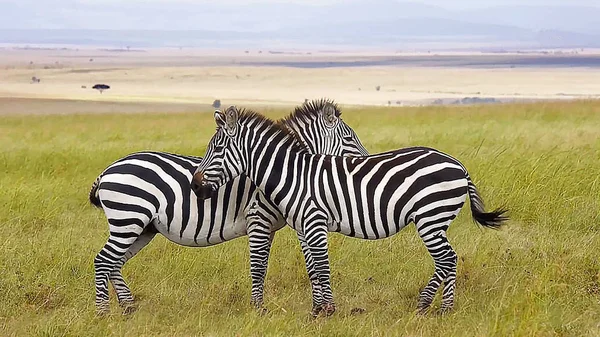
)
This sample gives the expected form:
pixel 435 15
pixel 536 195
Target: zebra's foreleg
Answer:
pixel 262 224
pixel 315 232
pixel 120 240
pixel 116 277
pixel 317 294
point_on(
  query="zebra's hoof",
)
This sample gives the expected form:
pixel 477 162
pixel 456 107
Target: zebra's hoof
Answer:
pixel 256 303
pixel 328 309
pixel 102 312
pixel 446 309
pixel 129 309
pixel 316 310
pixel 422 309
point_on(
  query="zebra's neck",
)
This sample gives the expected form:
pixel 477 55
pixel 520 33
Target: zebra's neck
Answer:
pixel 275 162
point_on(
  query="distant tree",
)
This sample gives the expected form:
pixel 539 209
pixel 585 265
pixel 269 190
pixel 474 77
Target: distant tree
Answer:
pixel 216 104
pixel 91 60
pixel 378 88
pixel 101 87
pixel 83 87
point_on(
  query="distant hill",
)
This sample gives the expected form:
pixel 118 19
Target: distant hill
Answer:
pixel 359 23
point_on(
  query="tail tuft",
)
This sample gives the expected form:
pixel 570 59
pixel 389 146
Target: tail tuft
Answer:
pixel 494 219
pixel 94 199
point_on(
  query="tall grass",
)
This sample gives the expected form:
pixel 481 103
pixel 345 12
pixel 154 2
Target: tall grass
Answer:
pixel 539 276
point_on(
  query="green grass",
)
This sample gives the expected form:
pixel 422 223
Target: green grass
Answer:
pixel 537 277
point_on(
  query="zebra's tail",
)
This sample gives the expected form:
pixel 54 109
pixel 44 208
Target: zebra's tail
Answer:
pixel 94 199
pixel 494 219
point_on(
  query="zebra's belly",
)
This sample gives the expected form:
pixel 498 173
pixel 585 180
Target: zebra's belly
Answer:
pixel 365 229
pixel 205 233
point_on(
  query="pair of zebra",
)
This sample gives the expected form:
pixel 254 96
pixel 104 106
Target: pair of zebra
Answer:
pixel 259 174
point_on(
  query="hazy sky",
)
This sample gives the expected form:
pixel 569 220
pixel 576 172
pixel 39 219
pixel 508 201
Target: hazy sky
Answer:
pixel 260 15
pixel 441 3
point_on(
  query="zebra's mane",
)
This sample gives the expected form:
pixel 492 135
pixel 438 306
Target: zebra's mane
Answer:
pixel 309 110
pixel 247 116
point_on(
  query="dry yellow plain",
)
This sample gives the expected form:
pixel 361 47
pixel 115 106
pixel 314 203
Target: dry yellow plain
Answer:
pixel 195 77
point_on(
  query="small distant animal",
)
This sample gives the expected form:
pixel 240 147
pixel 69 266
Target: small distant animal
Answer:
pixel 35 80
pixel 101 87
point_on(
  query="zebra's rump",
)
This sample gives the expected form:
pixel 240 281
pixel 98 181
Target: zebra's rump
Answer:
pixel 154 187
pixel 376 196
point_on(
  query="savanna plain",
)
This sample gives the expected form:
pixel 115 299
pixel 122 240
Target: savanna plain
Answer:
pixel 538 276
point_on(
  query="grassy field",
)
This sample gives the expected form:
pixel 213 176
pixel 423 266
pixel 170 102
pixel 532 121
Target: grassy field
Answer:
pixel 537 277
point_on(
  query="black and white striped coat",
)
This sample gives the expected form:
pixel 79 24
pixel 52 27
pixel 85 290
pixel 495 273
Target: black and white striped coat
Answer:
pixel 369 197
pixel 146 193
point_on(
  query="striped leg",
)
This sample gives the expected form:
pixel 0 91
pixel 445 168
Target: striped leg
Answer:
pixel 450 281
pixel 444 259
pixel 263 221
pixel 120 240
pixel 315 232
pixel 312 276
pixel 116 277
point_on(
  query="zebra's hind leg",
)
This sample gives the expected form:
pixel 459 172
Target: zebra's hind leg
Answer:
pixel 449 282
pixel 122 236
pixel 317 293
pixel 116 277
pixel 444 259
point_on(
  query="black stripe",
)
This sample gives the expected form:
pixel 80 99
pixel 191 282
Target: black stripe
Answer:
pixel 131 190
pixel 438 210
pixel 436 222
pixel 296 169
pixel 200 204
pixel 128 208
pixel 127 222
pixel 343 183
pixel 213 210
pixel 435 197
pixel 240 193
pixel 124 235
pixel 271 184
pixel 228 187
pixel 331 188
pixel 182 161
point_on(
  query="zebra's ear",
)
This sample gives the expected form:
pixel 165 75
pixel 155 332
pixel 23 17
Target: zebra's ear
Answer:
pixel 331 115
pixel 219 118
pixel 231 119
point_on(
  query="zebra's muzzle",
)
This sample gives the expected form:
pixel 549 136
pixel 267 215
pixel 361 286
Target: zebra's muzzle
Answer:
pixel 202 190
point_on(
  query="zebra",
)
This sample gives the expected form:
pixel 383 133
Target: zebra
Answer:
pixel 370 197
pixel 146 193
